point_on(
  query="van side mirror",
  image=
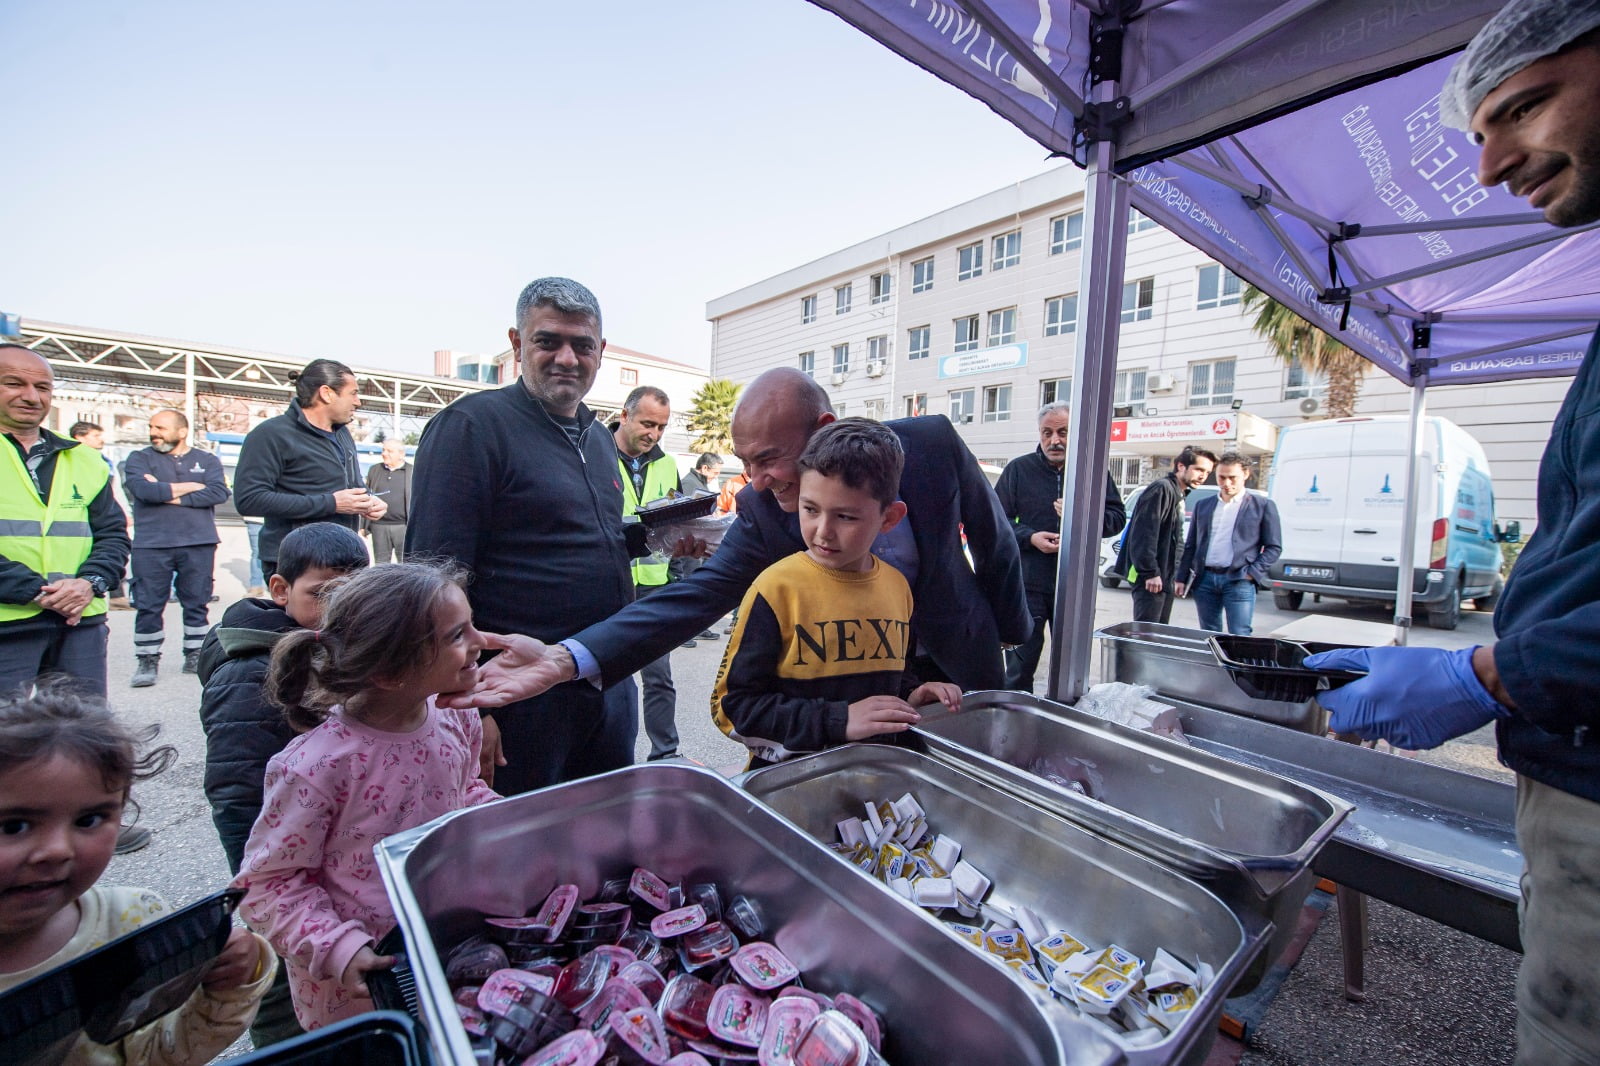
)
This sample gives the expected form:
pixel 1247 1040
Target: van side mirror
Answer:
pixel 1511 533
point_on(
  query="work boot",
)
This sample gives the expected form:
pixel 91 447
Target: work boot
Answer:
pixel 191 662
pixel 131 837
pixel 145 675
pixel 120 603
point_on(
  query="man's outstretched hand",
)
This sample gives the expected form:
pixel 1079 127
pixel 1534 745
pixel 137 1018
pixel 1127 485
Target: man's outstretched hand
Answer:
pixel 524 668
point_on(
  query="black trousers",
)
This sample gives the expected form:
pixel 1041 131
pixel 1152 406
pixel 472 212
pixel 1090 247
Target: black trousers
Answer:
pixel 572 731
pixel 78 651
pixel 1152 606
pixel 154 570
pixel 1022 662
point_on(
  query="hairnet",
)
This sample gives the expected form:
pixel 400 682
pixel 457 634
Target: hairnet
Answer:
pixel 1523 31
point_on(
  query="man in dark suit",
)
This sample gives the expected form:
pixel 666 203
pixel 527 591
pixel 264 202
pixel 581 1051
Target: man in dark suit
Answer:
pixel 964 613
pixel 1234 538
pixel 1154 541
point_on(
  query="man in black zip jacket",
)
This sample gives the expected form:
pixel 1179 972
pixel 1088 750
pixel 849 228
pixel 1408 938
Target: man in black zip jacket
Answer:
pixel 521 486
pixel 1030 490
pixel 1526 90
pixel 301 466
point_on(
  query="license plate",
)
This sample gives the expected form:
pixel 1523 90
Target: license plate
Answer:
pixel 1317 573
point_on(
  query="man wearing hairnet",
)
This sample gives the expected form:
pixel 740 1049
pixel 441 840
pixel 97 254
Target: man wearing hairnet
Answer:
pixel 1527 90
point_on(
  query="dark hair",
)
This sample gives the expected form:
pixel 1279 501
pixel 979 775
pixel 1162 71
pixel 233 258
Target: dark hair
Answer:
pixel 1189 455
pixel 56 716
pixel 317 373
pixel 864 453
pixel 320 545
pixel 631 404
pixel 707 459
pixel 377 624
pixel 1235 458
pixel 80 428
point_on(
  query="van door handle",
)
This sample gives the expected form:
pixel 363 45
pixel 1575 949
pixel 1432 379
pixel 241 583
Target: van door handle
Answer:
pixel 1363 531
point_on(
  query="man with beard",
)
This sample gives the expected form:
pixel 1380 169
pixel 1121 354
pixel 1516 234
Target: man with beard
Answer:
pixel 301 467
pixel 1154 542
pixel 1528 91
pixel 174 490
pixel 1030 490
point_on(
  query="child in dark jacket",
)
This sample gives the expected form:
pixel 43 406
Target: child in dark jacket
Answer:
pixel 244 731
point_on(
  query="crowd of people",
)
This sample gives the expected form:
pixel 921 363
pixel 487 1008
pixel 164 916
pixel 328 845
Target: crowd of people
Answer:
pixel 872 568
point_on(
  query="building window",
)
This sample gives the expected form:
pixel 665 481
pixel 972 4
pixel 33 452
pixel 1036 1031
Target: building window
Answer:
pixel 628 376
pixel 1002 326
pixel 997 403
pixel 878 351
pixel 1129 387
pixel 1219 287
pixel 808 309
pixel 922 275
pixel 917 342
pixel 1211 383
pixel 1139 222
pixel 1061 315
pixel 1301 382
pixel 961 401
pixel 1125 471
pixel 1138 300
pixel 841 358
pixel 916 405
pixel 1055 390
pixel 874 408
pixel 967 334
pixel 808 363
pixel 1007 250
pixel 882 287
pixel 838 408
pixel 1066 233
pixel 841 299
pixel 969 261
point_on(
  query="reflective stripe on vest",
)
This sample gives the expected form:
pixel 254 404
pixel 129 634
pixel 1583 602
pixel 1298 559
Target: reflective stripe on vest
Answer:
pixel 50 539
pixel 660 476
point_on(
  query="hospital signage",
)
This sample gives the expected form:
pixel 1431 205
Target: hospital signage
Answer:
pixel 1177 428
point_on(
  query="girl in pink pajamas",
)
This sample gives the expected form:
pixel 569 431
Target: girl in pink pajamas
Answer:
pixel 379 756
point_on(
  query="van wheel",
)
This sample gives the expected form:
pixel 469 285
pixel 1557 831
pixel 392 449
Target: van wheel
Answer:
pixel 1288 601
pixel 1110 582
pixel 1487 603
pixel 1448 614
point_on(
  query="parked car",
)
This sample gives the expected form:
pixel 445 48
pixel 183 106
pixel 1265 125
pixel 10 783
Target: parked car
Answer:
pixel 1341 492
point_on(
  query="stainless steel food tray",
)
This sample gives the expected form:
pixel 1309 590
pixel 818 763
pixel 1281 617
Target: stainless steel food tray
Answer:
pixel 941 1002
pixel 1073 879
pixel 1180 663
pixel 1248 835
pixel 1434 841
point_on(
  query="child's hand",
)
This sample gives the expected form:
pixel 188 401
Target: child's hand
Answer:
pixel 354 977
pixel 877 715
pixel 239 963
pixel 936 692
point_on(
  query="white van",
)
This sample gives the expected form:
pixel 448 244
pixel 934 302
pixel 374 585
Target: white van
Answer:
pixel 1340 487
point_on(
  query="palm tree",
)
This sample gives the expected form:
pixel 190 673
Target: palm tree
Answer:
pixel 1294 340
pixel 711 416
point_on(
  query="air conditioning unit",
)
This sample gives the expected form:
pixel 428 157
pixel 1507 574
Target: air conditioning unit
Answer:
pixel 1159 383
pixel 837 379
pixel 966 418
pixel 874 370
pixel 1310 406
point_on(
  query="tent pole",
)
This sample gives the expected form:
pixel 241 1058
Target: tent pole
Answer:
pixel 1415 471
pixel 1093 380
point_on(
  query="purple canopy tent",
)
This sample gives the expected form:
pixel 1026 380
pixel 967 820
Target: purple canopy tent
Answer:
pixel 1298 143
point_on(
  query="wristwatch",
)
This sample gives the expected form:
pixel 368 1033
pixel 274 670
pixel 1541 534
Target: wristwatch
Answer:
pixel 98 584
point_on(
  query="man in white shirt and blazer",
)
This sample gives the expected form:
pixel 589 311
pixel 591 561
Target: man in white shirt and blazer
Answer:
pixel 1234 538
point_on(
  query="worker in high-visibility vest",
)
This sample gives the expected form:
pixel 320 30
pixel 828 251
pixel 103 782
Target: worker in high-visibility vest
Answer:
pixel 63 542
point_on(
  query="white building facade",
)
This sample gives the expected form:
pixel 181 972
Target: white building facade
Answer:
pixel 973 312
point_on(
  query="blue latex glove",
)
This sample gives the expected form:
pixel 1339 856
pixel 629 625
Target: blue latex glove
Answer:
pixel 1415 698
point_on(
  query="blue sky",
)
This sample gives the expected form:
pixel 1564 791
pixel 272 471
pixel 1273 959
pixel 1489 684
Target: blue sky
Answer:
pixel 373 181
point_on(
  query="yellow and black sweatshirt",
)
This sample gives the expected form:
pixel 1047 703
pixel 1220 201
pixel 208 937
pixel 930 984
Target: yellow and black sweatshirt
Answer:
pixel 810 641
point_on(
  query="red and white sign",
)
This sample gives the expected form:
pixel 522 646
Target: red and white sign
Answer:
pixel 1177 428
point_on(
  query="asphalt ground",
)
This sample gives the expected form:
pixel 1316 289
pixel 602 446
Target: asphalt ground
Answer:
pixel 1433 995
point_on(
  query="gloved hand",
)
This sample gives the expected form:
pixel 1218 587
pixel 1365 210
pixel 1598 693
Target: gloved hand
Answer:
pixel 1414 698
